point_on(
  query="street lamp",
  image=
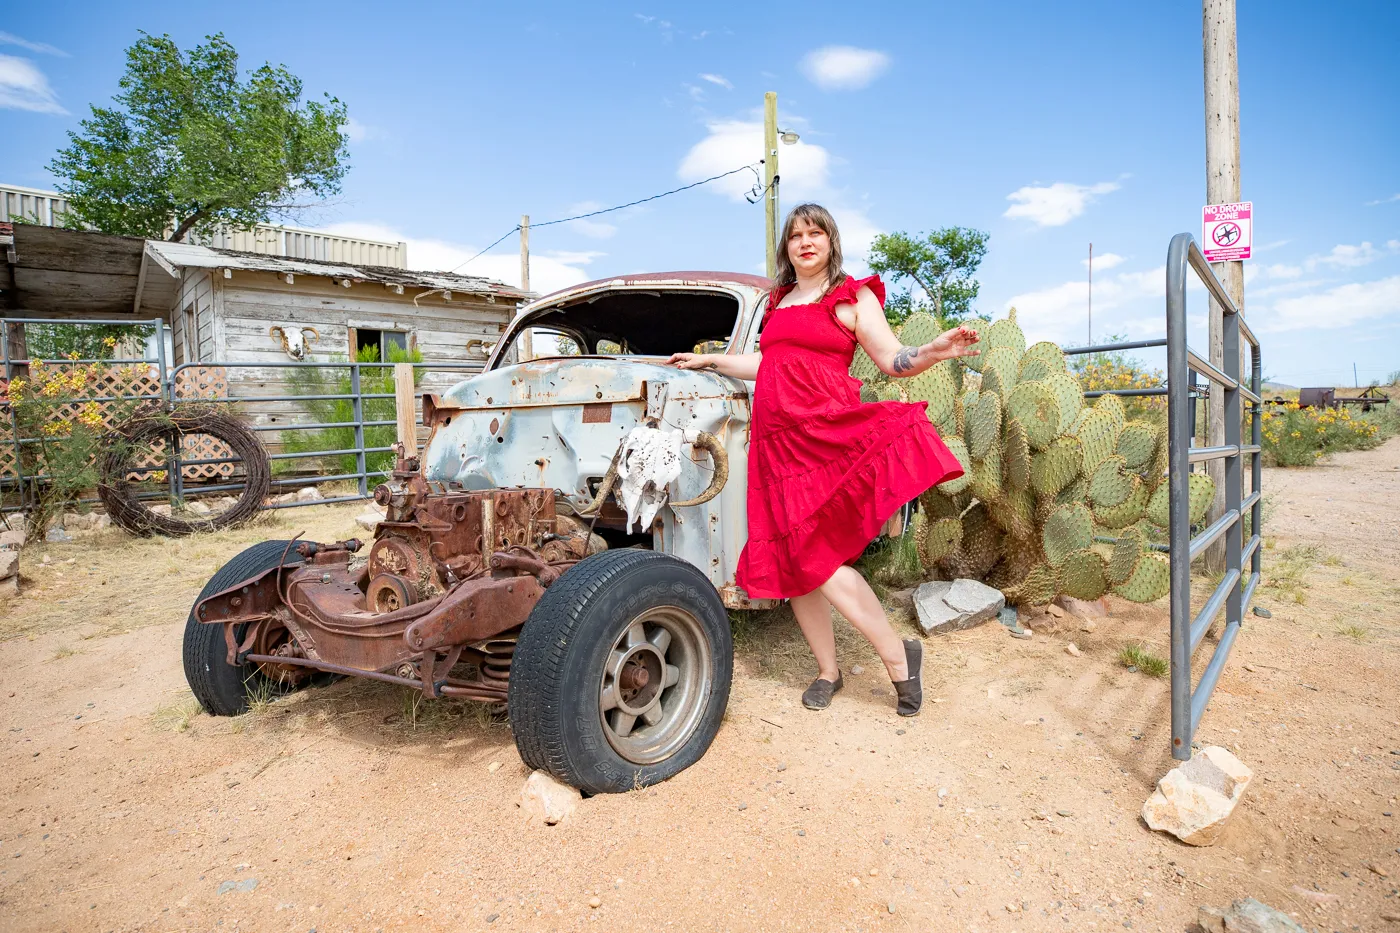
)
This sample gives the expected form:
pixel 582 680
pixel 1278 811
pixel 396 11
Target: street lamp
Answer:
pixel 788 137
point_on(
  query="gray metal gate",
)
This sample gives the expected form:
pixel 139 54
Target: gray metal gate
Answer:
pixel 1182 389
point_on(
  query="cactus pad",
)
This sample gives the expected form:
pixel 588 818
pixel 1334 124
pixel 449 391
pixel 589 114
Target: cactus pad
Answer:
pixel 941 537
pixel 1099 435
pixel 1069 528
pixel 986 474
pixel 984 425
pixel 1082 575
pixel 1138 443
pixel 1040 361
pixel 991 382
pixel 919 328
pixel 1004 360
pixel 1038 588
pixel 1034 405
pixel 979 327
pixel 980 547
pixel 1109 485
pixel 959 450
pixel 1069 396
pixel 1074 492
pixel 1006 333
pixel 1126 552
pixel 1056 466
pixel 1200 492
pixel 889 392
pixel 1016 455
pixel 1114 406
pixel 936 385
pixel 1127 512
pixel 936 505
pixel 1149 581
pixel 1014 513
pixel 864 368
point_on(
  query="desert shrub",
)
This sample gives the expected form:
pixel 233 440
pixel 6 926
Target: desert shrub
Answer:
pixel 62 409
pixel 336 382
pixel 1296 436
pixel 1100 372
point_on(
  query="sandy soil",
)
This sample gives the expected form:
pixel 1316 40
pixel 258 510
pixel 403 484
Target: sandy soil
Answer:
pixel 1011 803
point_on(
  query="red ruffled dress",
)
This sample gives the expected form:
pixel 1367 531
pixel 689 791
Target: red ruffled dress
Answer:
pixel 825 471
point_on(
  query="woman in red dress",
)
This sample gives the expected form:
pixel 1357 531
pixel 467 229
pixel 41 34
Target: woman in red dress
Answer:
pixel 826 471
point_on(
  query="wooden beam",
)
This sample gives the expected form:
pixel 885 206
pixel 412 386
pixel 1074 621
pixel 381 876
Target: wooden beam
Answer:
pixel 404 410
pixel 140 285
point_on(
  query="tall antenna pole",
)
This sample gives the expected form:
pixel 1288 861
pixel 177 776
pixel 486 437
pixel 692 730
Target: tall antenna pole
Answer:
pixel 527 341
pixel 1091 294
pixel 770 180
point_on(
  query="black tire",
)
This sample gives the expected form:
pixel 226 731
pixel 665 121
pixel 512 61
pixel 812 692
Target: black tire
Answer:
pixel 222 688
pixel 560 672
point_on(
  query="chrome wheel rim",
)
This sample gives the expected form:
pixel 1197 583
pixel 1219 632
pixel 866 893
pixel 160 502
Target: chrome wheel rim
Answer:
pixel 655 683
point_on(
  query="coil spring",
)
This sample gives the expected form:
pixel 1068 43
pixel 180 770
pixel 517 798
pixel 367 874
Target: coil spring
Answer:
pixel 496 657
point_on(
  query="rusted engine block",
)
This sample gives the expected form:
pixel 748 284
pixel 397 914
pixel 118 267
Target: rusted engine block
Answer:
pixel 450 577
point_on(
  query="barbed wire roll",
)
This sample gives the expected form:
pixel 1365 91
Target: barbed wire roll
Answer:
pixel 121 496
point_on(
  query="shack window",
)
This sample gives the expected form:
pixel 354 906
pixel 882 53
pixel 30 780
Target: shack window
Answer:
pixel 384 342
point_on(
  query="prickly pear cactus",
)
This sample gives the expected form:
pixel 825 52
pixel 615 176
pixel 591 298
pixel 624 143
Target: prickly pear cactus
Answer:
pixel 1059 496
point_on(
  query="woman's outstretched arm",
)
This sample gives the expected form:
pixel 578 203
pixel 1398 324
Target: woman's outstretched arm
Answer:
pixel 739 365
pixel 893 357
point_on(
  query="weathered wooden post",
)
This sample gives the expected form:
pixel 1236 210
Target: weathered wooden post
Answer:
pixel 404 412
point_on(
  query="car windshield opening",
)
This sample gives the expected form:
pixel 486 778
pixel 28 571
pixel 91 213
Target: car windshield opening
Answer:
pixel 635 322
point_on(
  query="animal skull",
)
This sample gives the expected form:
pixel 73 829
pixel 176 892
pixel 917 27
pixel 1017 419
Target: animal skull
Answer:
pixel 294 341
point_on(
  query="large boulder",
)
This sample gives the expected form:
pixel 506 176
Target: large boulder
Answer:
pixel 1193 800
pixel 943 606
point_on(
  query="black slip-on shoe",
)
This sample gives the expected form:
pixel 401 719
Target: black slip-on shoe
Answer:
pixel 818 695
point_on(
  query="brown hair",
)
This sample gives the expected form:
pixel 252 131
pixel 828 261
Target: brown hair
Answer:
pixel 821 218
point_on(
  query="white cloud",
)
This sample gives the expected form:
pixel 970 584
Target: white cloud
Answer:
pixel 593 229
pixel 1345 256
pixel 697 93
pixel 844 67
pixel 24 87
pixel 1341 306
pixel 43 48
pixel 359 132
pixel 1105 261
pixel 549 271
pixel 721 80
pixel 1283 270
pixel 1060 312
pixel 1390 200
pixel 732 143
pixel 1055 205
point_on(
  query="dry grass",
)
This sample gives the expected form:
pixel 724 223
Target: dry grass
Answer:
pixel 119 583
pixel 1288 573
pixel 1142 658
pixel 177 716
pixel 1354 631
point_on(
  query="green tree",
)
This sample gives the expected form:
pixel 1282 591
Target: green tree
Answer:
pixel 188 146
pixel 942 264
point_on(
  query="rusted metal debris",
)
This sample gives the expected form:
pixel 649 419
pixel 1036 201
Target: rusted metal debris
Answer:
pixel 451 576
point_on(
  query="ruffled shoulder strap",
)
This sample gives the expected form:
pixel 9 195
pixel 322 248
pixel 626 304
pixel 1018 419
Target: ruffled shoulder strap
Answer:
pixel 846 292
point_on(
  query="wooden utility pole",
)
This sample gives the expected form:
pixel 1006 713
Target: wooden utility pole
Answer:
pixel 770 180
pixel 1222 85
pixel 405 409
pixel 527 341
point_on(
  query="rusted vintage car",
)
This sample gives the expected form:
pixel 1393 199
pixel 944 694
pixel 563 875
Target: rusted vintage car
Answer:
pixel 504 572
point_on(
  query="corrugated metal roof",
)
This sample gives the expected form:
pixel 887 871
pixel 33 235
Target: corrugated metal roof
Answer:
pixel 205 257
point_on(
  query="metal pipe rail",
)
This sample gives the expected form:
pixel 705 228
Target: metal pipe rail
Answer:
pixel 1235 590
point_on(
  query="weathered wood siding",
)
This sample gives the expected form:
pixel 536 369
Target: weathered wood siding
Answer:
pixel 192 319
pixel 247 305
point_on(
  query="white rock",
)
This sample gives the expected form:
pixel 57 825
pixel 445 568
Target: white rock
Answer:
pixel 1073 650
pixel 1193 800
pixel 197 508
pixel 161 508
pixel 308 494
pixel 942 606
pixel 369 520
pixel 13 539
pixel 9 564
pixel 12 521
pixel 546 798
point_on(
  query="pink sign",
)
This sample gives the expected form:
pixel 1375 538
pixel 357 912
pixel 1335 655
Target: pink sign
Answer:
pixel 1227 231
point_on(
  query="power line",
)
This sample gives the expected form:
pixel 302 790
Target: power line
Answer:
pixel 608 210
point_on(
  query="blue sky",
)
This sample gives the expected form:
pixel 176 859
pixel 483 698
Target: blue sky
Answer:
pixel 1049 125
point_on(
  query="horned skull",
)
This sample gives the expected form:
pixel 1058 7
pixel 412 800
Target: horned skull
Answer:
pixel 294 341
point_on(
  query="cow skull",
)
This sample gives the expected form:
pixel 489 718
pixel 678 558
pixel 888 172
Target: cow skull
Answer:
pixel 294 341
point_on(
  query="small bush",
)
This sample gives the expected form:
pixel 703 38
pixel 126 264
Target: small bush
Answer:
pixel 317 381
pixel 1295 436
pixel 1099 372
pixel 1144 660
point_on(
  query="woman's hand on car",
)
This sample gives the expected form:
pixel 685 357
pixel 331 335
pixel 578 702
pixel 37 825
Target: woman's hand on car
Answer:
pixel 692 360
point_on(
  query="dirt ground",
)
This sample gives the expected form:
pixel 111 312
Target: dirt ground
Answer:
pixel 1011 803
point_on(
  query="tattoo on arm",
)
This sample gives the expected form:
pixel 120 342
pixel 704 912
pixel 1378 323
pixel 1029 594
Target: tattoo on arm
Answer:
pixel 904 360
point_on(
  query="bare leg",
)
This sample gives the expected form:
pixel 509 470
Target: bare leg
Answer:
pixel 814 618
pixel 854 599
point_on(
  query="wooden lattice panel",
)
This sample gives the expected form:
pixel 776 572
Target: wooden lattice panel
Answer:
pixel 201 382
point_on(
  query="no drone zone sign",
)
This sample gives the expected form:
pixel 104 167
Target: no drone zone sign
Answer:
pixel 1227 231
